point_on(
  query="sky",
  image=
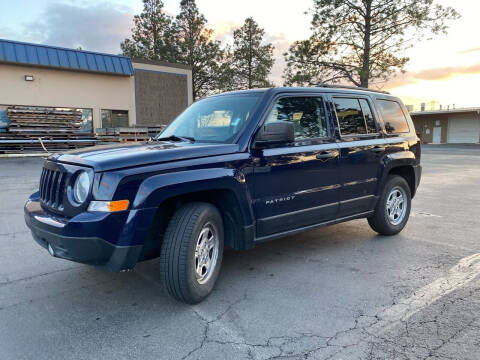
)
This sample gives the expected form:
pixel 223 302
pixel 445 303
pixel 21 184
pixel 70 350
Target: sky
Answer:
pixel 442 71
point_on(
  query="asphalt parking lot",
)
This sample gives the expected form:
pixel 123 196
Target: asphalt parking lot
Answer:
pixel 341 292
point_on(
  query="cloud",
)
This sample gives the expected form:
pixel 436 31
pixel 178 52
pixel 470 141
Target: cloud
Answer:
pixel 223 31
pixel 469 51
pixel 281 43
pixel 432 74
pixel 99 27
pixel 6 33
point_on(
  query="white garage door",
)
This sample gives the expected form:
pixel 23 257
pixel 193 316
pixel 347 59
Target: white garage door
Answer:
pixel 465 129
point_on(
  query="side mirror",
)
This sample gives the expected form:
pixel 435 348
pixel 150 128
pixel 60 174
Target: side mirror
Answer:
pixel 275 133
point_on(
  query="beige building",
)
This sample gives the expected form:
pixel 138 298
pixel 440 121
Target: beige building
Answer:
pixel 111 90
pixel 457 126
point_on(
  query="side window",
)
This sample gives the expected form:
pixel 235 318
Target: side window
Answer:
pixel 306 113
pixel 350 116
pixel 367 113
pixel 393 117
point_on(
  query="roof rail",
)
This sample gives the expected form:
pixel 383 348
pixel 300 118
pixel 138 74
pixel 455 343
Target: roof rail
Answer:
pixel 334 86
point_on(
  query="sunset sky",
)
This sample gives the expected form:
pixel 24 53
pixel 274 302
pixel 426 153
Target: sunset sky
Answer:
pixel 445 70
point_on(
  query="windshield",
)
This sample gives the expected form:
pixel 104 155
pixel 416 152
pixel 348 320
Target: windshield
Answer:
pixel 217 119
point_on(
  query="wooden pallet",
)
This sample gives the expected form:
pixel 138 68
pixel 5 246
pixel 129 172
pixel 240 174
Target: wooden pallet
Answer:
pixel 122 138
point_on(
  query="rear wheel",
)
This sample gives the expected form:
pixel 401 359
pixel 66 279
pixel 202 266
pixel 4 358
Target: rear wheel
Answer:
pixel 393 208
pixel 192 251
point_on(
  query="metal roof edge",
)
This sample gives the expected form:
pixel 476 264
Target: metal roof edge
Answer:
pixel 445 111
pixel 160 63
pixel 47 56
pixel 62 48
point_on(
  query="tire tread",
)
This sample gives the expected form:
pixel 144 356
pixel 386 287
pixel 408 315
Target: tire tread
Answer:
pixel 175 249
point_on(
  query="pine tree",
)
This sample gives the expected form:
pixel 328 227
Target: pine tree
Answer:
pixel 195 47
pixel 152 36
pixel 360 41
pixel 251 58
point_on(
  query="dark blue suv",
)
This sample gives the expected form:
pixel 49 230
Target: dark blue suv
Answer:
pixel 234 170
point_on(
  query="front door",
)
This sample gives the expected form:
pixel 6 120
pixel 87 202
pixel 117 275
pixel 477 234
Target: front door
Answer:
pixel 437 135
pixel 297 185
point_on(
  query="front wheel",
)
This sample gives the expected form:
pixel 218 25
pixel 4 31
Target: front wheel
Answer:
pixel 192 251
pixel 393 208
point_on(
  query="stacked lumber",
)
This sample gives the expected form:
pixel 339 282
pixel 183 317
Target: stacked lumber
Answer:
pixel 154 130
pixel 122 134
pixel 34 129
pixel 41 120
pixel 14 144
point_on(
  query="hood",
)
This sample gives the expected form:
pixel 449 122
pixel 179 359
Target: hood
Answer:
pixel 110 157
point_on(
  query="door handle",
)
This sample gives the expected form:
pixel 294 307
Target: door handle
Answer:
pixel 327 155
pixel 378 149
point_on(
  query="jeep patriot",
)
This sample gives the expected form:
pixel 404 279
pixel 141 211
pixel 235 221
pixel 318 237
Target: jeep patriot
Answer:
pixel 234 169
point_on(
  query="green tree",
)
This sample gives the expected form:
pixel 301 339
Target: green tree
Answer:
pixel 195 47
pixel 152 36
pixel 362 41
pixel 251 58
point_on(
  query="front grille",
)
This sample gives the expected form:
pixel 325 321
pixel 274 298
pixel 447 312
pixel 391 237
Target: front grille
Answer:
pixel 52 185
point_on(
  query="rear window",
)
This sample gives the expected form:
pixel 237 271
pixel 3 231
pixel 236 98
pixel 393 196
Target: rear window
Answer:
pixel 393 117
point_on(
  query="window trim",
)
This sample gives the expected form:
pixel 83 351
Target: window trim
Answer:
pixel 302 142
pixel 356 97
pixel 383 120
pixel 373 116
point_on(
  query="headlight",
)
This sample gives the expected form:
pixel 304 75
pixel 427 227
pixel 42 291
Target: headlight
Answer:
pixel 81 187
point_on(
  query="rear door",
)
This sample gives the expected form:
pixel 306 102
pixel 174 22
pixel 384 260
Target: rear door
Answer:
pixel 297 184
pixel 361 150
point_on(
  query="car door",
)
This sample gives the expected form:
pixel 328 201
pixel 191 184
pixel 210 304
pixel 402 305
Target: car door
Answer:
pixel 361 150
pixel 297 184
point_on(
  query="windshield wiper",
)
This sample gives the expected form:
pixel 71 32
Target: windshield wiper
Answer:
pixel 176 138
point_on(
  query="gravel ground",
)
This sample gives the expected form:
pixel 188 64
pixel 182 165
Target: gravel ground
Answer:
pixel 341 292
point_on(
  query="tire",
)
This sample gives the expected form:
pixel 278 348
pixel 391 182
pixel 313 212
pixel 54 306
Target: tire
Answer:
pixel 183 249
pixel 383 220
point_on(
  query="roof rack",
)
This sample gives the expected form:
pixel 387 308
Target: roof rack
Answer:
pixel 333 86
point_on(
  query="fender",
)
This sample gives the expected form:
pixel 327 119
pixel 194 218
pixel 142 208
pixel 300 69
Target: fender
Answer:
pixel 153 191
pixel 394 160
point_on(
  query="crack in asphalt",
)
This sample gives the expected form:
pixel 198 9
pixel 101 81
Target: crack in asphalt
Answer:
pixel 11 282
pixel 370 331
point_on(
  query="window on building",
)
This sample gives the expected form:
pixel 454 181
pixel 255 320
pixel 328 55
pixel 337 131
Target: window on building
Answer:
pixel 3 118
pixel 87 120
pixel 114 118
pixel 306 113
pixel 393 117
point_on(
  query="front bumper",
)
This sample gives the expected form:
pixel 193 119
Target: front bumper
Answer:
pixel 113 241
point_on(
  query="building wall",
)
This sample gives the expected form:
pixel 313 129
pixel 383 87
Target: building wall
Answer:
pixel 424 123
pixel 162 92
pixel 71 89
pixel 157 94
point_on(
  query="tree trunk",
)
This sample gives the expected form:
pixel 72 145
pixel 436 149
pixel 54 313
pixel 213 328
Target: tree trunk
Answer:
pixel 365 72
pixel 250 57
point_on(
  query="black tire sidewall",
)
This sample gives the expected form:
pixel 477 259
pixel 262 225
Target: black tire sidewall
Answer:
pixel 393 182
pixel 197 290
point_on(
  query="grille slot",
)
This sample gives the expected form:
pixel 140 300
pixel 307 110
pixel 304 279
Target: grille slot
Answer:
pixel 52 184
